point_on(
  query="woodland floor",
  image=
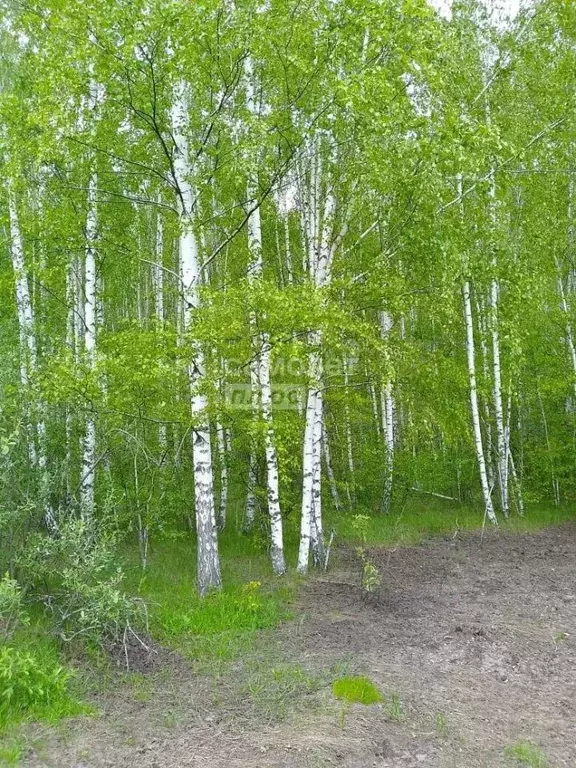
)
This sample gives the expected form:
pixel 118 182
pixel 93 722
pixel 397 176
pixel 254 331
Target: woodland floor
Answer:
pixel 472 641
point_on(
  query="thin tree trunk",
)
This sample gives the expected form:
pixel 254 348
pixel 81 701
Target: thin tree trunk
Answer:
pixel 307 514
pixel 480 309
pixel 321 243
pixel 208 572
pixel 29 360
pixel 158 280
pixel 569 333
pixel 318 546
pixel 502 446
pixel 223 462
pixel 330 468
pixel 262 358
pixel 388 408
pixel 90 300
pixel 470 351
pixel 498 408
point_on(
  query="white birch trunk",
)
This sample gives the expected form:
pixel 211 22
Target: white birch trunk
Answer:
pixel 498 408
pixel 90 299
pixel 388 409
pixel 71 344
pixel 502 444
pixel 208 573
pixel 29 359
pixel 307 512
pixel 317 542
pixel 471 357
pixel 322 241
pixel 480 309
pixel 158 280
pixel 223 462
pixel 569 332
pixel 262 359
pixel 25 321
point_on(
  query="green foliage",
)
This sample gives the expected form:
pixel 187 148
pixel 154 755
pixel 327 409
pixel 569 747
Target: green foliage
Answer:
pixel 371 578
pixel 11 751
pixel 241 610
pixel 527 755
pixel 421 519
pixel 77 576
pixel 224 624
pixel 32 686
pixel 356 690
pixel 12 612
pixel 276 690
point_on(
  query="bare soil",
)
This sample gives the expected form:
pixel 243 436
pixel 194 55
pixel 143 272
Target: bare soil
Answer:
pixel 472 640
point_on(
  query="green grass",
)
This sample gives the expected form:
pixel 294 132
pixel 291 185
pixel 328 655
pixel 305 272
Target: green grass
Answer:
pixel 35 685
pixel 224 624
pixel 527 755
pixel 11 749
pixel 427 518
pixel 356 690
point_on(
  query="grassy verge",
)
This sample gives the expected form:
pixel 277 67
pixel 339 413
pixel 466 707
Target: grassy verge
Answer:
pixel 225 623
pixel 425 518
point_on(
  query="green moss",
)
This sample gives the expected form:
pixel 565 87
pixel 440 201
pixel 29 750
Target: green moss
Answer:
pixel 356 690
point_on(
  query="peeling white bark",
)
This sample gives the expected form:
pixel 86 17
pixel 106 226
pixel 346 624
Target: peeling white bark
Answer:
pixel 260 376
pixel 208 571
pixel 321 239
pixel 90 298
pixel 158 281
pixel 388 409
pixel 471 355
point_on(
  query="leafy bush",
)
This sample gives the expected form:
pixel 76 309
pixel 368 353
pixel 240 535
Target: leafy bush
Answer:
pixel 31 685
pixel 12 613
pixel 77 577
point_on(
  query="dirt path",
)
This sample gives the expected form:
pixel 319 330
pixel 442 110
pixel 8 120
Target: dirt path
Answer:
pixel 473 643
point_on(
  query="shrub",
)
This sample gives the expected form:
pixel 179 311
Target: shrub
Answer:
pixel 32 685
pixel 12 613
pixel 77 577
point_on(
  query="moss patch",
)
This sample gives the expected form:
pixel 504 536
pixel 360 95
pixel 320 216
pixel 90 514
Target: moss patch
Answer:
pixel 356 690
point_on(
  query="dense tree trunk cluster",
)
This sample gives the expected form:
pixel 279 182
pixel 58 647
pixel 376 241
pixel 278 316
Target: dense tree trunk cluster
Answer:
pixel 251 246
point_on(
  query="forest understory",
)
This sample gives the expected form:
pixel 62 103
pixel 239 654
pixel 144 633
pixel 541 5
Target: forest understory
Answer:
pixel 287 383
pixel 470 640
